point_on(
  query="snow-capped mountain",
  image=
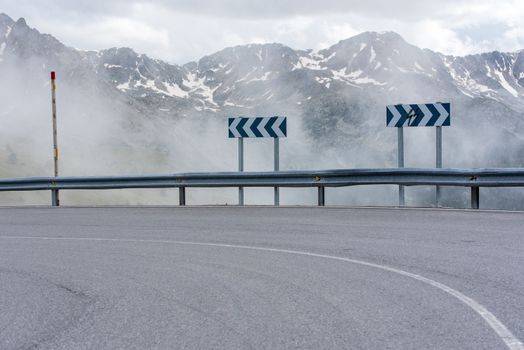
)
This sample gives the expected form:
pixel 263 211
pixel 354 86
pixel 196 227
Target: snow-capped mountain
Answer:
pixel 339 93
pixel 379 62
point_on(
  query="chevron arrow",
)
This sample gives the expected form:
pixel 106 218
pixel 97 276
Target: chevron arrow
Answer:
pixel 280 127
pixel 429 114
pixel 241 127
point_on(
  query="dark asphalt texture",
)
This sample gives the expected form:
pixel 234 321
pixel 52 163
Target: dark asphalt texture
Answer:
pixel 116 280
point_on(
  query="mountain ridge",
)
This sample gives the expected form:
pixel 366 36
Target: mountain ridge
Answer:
pixel 333 91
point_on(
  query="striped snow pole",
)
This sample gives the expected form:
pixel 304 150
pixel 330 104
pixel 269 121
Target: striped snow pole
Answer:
pixel 54 193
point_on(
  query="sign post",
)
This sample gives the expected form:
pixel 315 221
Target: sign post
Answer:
pixel 276 159
pixel 400 160
pixel 438 158
pixel 429 114
pixel 55 201
pixel 240 168
pixel 258 127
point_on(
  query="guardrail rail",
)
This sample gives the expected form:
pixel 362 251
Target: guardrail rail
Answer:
pixel 473 178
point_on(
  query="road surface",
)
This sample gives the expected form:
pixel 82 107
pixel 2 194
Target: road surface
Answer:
pixel 260 278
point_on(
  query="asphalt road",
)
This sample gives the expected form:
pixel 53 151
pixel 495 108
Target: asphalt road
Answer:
pixel 260 278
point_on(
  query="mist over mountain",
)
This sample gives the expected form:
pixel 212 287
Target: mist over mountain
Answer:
pixel 121 112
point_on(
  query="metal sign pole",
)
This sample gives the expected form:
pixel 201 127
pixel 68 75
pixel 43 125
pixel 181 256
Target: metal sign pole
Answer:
pixel 400 141
pixel 439 160
pixel 417 115
pixel 240 168
pixel 55 201
pixel 276 158
pixel 268 127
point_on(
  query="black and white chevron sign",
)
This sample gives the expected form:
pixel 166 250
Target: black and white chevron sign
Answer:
pixel 429 114
pixel 240 127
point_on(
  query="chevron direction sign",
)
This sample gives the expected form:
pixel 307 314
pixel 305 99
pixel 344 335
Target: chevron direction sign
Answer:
pixel 429 114
pixel 240 127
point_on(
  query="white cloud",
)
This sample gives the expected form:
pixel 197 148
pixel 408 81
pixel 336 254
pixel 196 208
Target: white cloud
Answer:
pixel 111 30
pixel 437 36
pixel 184 30
pixel 513 38
pixel 335 32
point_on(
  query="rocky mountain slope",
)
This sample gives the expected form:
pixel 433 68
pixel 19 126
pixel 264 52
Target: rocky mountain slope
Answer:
pixel 378 64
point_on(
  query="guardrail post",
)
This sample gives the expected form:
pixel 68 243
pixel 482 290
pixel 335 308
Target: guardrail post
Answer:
pixel 475 197
pixel 55 202
pixel 321 196
pixel 182 196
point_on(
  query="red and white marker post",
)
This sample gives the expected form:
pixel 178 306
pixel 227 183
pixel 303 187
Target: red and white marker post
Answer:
pixel 55 202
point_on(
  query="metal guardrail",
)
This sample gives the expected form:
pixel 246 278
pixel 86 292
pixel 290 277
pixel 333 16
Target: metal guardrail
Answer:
pixel 473 178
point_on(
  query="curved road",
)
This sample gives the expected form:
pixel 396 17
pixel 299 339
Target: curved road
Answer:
pixel 260 278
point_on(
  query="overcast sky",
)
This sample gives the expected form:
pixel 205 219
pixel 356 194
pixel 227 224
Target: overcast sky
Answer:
pixel 183 30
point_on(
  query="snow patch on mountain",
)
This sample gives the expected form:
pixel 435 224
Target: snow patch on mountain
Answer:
pixel 176 91
pixel 198 88
pixel 107 65
pixel 247 77
pixel 373 55
pixel 124 86
pixel 309 63
pixel 313 61
pixel 262 78
pixel 354 77
pixel 502 80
